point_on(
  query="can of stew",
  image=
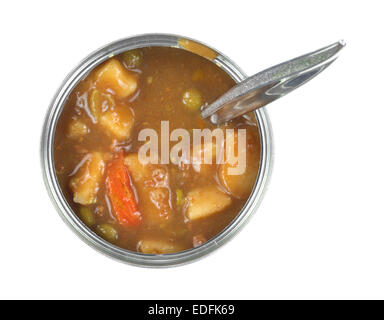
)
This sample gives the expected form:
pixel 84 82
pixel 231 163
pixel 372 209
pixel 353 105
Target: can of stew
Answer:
pixel 56 194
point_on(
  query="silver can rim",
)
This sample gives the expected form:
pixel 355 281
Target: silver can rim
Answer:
pixel 71 219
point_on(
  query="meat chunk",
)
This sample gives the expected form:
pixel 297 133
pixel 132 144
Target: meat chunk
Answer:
pixel 113 78
pixel 206 201
pixel 86 181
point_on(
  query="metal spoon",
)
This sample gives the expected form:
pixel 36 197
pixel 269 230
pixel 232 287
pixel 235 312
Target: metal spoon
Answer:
pixel 270 84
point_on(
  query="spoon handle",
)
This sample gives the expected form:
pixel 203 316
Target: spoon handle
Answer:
pixel 270 84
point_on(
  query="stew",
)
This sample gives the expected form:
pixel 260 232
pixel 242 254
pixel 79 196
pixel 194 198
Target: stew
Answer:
pixel 152 208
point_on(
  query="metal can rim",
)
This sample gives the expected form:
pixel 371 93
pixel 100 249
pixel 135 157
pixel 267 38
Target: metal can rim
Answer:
pixel 65 211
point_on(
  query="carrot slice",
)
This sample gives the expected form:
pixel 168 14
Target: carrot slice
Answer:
pixel 121 194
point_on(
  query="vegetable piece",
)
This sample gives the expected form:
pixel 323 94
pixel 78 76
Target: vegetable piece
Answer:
pixel 206 201
pixel 77 129
pixel 132 58
pixel 118 122
pixel 179 197
pixel 113 78
pixel 137 169
pixel 240 186
pixel 100 102
pixel 107 232
pixel 121 194
pixel 153 189
pixel 192 99
pixel 86 181
pixel 86 215
pixel 151 246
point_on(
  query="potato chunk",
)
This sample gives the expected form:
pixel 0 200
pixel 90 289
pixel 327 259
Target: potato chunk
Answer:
pixel 118 122
pixel 153 189
pixel 99 102
pixel 206 201
pixel 240 186
pixel 113 78
pixel 77 129
pixel 136 169
pixel 116 119
pixel 152 246
pixel 86 181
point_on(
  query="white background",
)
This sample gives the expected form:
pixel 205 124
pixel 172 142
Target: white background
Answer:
pixel 319 232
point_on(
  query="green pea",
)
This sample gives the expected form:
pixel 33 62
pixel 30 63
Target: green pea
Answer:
pixel 179 197
pixel 87 216
pixel 132 58
pixel 192 99
pixel 107 232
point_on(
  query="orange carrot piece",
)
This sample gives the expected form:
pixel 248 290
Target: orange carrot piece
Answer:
pixel 121 194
